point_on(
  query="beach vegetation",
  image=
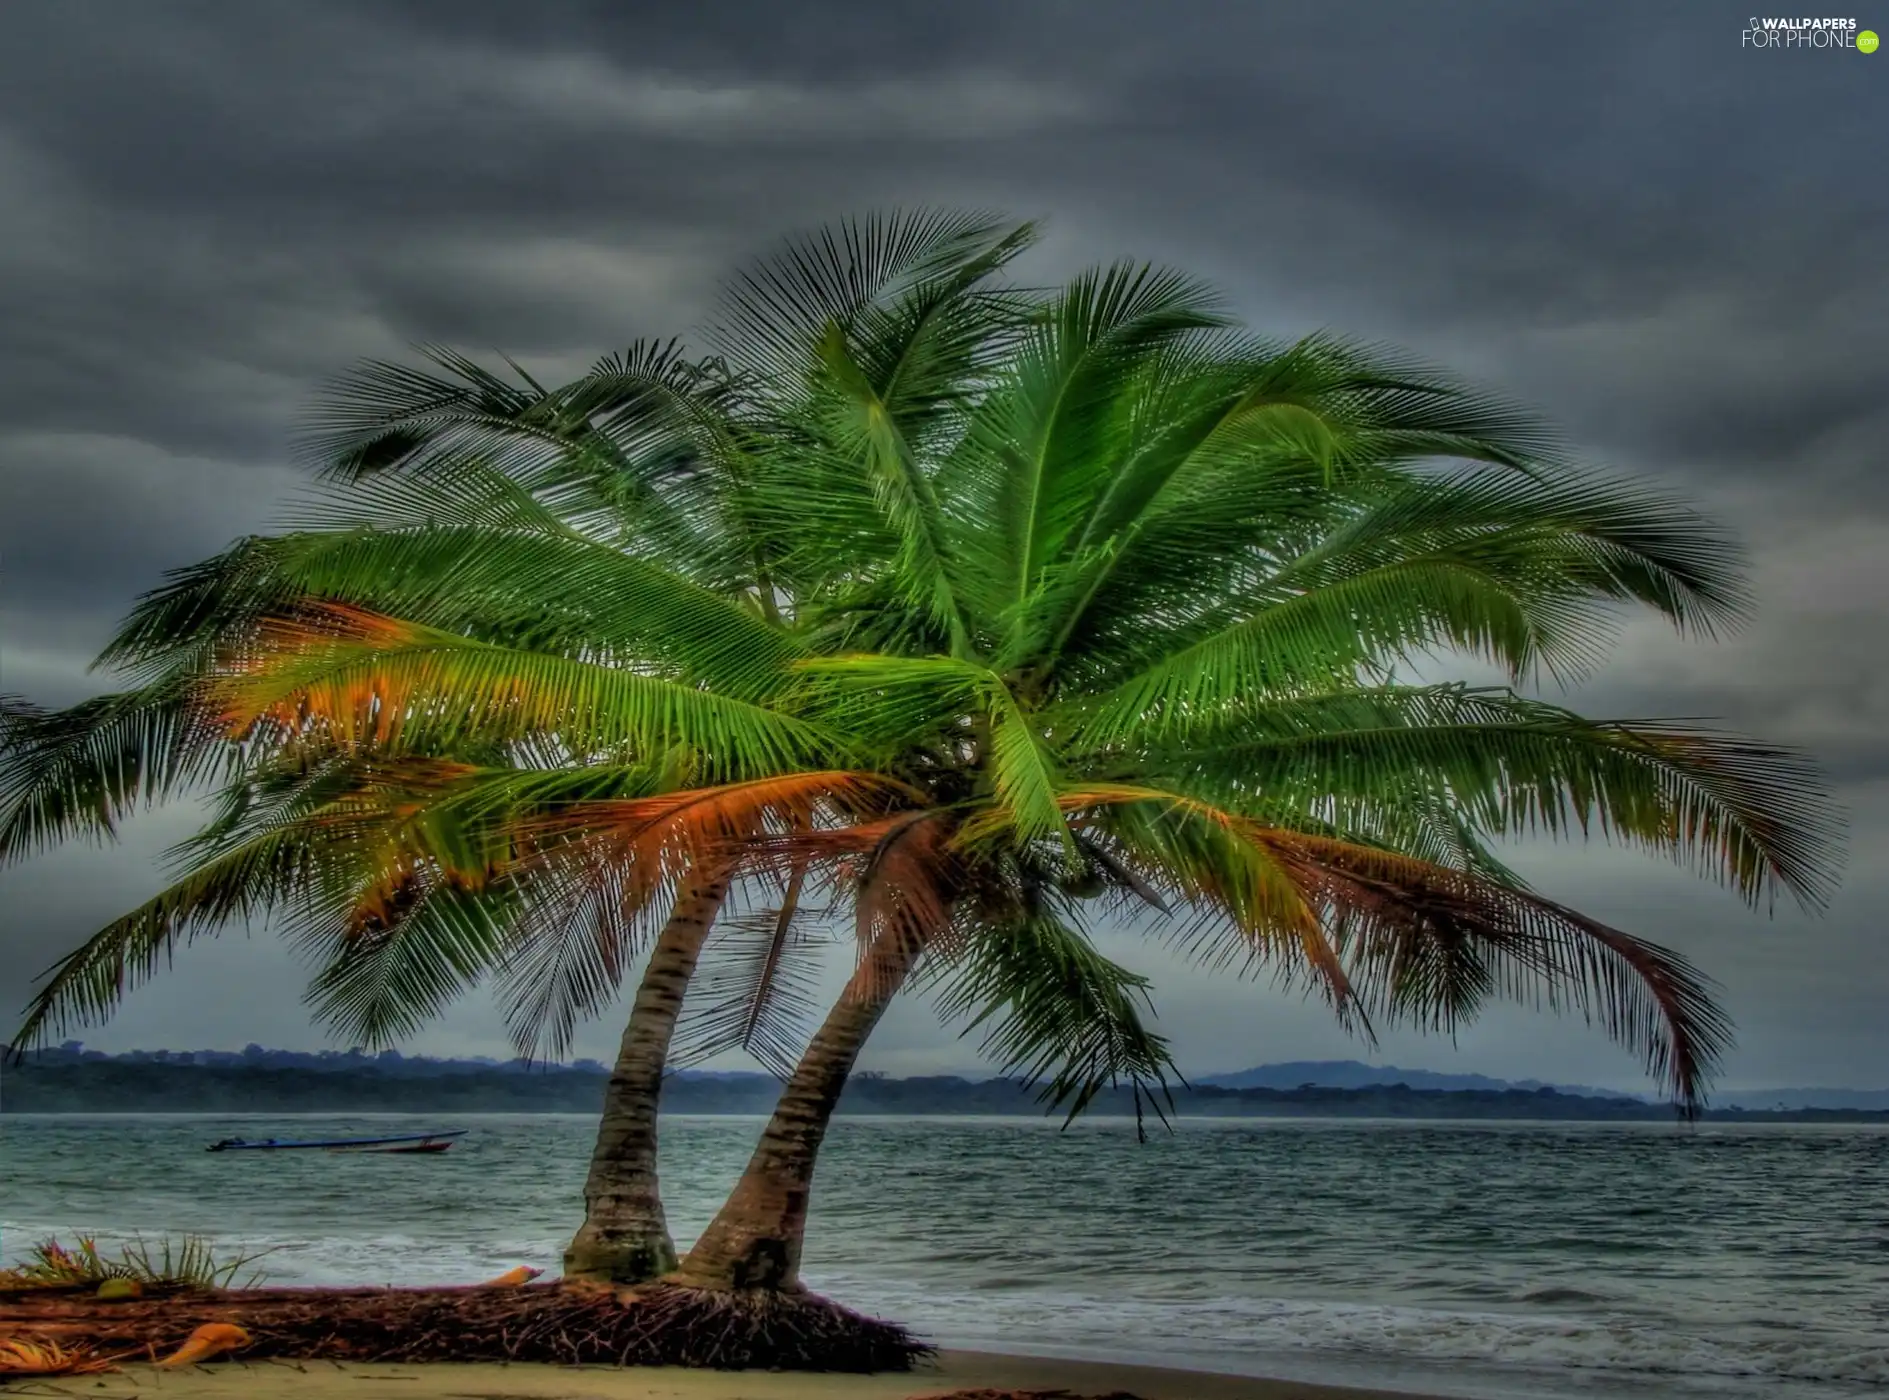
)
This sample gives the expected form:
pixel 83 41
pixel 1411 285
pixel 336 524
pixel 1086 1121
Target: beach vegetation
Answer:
pixel 166 1263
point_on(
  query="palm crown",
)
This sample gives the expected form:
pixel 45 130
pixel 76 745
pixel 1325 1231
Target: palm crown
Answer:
pixel 987 609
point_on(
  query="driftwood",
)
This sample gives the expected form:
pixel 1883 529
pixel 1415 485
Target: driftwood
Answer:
pixel 658 1325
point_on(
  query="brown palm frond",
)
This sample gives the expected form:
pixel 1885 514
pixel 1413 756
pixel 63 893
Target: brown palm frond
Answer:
pixel 387 820
pixel 1430 942
pixel 617 858
pixel 600 870
pixel 1385 933
pixel 21 1357
pixel 901 871
pixel 840 850
pixel 679 828
pixel 417 778
pixel 402 868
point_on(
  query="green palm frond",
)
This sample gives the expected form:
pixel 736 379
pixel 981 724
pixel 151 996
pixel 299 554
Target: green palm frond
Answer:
pixel 78 772
pixel 1054 425
pixel 606 451
pixel 336 855
pixel 175 630
pixel 772 313
pixel 1752 816
pixel 863 429
pixel 1055 1009
pixel 379 986
pixel 940 699
pixel 559 593
pixel 375 417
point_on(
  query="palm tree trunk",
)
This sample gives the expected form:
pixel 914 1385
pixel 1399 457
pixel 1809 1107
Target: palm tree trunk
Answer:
pixel 754 1241
pixel 625 1236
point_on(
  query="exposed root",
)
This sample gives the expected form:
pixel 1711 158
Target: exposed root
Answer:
pixel 795 1331
pixel 656 1325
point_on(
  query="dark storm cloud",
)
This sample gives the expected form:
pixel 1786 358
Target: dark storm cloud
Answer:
pixel 1667 244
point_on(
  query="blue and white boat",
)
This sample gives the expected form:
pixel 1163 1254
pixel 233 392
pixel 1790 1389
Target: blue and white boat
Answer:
pixel 412 1142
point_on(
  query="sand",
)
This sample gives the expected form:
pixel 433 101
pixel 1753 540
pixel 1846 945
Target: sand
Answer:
pixel 314 1380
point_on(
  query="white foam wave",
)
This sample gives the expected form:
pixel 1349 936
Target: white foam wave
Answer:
pixel 1231 1331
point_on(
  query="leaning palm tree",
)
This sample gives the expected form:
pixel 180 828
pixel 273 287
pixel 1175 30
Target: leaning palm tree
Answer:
pixel 1100 603
pixel 1124 609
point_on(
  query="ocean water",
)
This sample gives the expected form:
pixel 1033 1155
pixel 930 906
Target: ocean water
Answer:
pixel 1495 1261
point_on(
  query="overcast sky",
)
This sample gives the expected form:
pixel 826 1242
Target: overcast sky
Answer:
pixel 1671 246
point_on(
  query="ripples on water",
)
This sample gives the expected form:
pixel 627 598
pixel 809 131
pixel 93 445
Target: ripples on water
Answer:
pixel 1486 1260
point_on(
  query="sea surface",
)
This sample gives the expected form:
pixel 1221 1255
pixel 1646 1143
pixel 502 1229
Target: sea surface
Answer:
pixel 1495 1261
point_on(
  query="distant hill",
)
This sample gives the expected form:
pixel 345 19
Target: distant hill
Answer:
pixel 70 1081
pixel 1353 1074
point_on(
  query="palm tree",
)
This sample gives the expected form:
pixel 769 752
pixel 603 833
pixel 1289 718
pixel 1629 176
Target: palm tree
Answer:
pixel 1045 606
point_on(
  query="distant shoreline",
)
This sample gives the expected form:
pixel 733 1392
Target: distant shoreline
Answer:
pixel 120 1086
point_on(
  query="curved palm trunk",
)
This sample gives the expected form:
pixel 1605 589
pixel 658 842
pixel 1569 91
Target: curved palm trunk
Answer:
pixel 755 1239
pixel 625 1237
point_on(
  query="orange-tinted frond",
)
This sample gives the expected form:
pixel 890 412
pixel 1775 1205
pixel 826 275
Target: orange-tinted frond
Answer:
pixel 320 622
pixel 1432 941
pixel 621 857
pixel 425 777
pixel 242 693
pixel 1113 794
pixel 1099 795
pixel 676 829
pixel 393 890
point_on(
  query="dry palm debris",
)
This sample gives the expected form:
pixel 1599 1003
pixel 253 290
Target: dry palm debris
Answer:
pixel 24 1357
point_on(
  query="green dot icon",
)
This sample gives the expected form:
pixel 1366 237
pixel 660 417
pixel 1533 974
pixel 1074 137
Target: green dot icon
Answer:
pixel 1866 40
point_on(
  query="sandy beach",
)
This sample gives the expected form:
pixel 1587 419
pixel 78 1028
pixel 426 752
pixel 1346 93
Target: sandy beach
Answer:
pixel 954 1371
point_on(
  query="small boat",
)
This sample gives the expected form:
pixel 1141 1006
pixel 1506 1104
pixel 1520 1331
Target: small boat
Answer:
pixel 413 1142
